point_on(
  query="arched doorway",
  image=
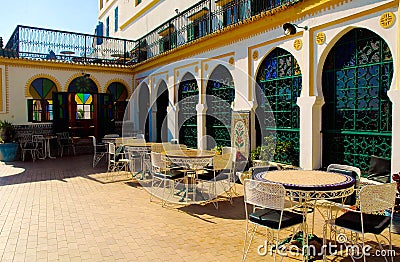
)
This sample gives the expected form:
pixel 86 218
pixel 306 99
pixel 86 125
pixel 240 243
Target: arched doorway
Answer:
pixel 188 97
pixel 279 79
pixel 220 95
pixel 82 111
pixel 161 114
pixel 357 114
pixel 82 91
pixel 144 114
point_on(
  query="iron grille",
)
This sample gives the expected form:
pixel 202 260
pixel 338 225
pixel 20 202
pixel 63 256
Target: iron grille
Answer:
pixel 219 113
pixel 357 114
pixel 188 99
pixel 280 79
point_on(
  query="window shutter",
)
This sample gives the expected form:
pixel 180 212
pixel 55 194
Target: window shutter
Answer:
pixel 30 110
pixel 99 33
pixel 190 32
pixel 116 19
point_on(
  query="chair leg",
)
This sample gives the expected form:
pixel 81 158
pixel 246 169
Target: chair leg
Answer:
pixel 96 158
pixel 246 250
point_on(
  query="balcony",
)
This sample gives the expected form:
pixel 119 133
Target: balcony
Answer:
pixel 200 20
pixel 45 44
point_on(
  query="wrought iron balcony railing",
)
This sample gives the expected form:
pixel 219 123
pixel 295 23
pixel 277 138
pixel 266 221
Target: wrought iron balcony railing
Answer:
pixel 204 18
pixel 39 43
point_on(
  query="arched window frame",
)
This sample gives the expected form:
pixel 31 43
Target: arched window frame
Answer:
pixel 40 107
pixel 119 98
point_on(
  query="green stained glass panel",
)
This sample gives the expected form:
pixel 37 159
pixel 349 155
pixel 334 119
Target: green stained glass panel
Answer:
pixel 280 79
pixel 357 112
pixel 188 97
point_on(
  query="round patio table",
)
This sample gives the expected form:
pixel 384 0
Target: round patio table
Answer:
pixel 308 186
pixel 311 184
pixel 193 161
pixel 191 158
pixel 142 149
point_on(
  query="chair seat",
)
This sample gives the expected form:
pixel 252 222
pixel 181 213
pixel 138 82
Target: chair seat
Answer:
pixel 270 218
pixel 101 148
pixel 208 174
pixel 372 223
pixel 172 174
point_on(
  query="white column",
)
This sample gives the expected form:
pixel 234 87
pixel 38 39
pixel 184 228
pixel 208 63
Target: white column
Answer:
pixel 201 126
pixel 394 96
pixel 153 129
pixel 172 121
pixel 310 132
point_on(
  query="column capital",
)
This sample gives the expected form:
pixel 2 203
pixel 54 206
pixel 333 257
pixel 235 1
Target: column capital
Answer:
pixel 314 101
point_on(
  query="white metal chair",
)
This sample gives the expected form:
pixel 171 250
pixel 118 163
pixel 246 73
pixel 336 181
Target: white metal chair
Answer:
pixel 64 140
pixel 229 153
pixel 352 171
pixel 223 174
pixel 164 174
pixel 133 156
pixel 370 218
pixel 27 145
pixel 268 210
pixel 116 160
pixel 39 144
pixel 99 151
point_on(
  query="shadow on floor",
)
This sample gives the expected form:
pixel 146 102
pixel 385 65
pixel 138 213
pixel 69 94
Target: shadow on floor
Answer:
pixel 19 172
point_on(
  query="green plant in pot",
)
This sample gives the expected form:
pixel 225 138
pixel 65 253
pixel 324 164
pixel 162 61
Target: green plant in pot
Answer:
pixel 8 148
pixel 264 153
pixel 217 150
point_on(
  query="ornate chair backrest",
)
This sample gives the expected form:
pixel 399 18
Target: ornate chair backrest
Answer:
pixel 158 161
pixel 25 138
pixel 38 140
pixel 111 151
pixel 264 194
pixel 376 198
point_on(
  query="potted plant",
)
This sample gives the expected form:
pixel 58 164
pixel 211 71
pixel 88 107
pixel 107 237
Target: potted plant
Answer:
pixel 217 150
pixel 8 148
pixel 262 155
pixel 272 150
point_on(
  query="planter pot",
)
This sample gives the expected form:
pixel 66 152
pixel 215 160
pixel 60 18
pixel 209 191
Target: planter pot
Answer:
pixel 8 151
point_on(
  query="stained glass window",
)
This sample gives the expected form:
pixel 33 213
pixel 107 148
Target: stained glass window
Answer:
pixel 40 108
pixel 357 114
pixel 188 96
pixel 119 95
pixel 82 84
pixel 220 95
pixel 280 79
pixel 84 106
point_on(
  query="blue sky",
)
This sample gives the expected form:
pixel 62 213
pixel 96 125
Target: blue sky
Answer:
pixel 73 15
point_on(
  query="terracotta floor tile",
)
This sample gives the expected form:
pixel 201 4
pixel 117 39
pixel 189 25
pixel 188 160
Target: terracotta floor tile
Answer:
pixel 64 210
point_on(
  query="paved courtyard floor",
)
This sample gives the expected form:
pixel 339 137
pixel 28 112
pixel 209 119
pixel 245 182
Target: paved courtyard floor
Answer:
pixel 64 210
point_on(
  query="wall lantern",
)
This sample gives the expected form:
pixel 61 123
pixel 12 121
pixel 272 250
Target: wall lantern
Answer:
pixel 290 29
